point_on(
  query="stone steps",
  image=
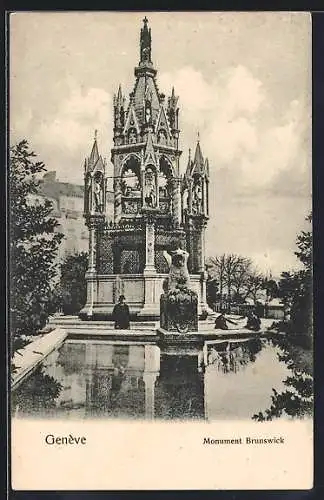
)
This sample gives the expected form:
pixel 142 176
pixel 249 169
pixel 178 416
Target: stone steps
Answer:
pixel 76 323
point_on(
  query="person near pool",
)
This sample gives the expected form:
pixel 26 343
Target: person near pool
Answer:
pixel 221 322
pixel 253 322
pixel 121 314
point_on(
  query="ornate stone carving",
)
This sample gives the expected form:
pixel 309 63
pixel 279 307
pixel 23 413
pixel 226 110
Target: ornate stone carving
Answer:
pixel 178 303
pixel 150 188
pixel 197 199
pixel 98 193
pixel 130 207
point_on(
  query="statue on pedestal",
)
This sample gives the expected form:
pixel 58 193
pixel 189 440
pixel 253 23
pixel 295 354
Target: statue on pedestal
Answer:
pixel 178 303
pixel 98 193
pixel 150 189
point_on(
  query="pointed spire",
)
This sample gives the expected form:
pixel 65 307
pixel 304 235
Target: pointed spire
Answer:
pixel 173 99
pixel 145 43
pixel 199 159
pixel 119 93
pixel 94 156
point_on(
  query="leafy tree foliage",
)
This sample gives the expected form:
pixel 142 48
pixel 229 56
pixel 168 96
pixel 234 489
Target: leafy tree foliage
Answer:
pixel 34 242
pixel 73 286
pixel 295 289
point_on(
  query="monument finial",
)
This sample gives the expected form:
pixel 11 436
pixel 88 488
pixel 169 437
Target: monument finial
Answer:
pixel 198 136
pixel 145 43
pixel 95 134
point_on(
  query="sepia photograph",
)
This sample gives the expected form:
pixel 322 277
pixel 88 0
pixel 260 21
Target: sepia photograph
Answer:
pixel 160 233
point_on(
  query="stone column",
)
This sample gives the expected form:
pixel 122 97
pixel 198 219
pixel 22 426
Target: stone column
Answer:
pixel 149 247
pixel 202 249
pixel 176 201
pixel 90 276
pixel 151 308
pixel 92 249
pixel 202 269
pixel 117 201
pixel 190 196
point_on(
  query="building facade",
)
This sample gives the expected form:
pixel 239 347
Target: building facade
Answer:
pixel 156 209
pixel 68 207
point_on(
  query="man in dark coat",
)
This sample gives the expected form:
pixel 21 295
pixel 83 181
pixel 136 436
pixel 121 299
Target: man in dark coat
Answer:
pixel 253 322
pixel 121 314
pixel 221 322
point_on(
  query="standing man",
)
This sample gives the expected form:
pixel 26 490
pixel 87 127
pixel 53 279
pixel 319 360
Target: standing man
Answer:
pixel 121 314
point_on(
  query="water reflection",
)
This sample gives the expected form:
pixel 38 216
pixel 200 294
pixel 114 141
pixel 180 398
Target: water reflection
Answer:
pixel 180 388
pixel 297 399
pixel 222 380
pixel 232 355
pixel 37 393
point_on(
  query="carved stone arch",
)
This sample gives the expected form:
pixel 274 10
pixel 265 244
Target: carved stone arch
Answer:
pixel 131 163
pixel 164 159
pixel 131 160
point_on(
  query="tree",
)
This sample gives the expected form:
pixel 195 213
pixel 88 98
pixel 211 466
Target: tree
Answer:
pixel 73 287
pixel 255 286
pixel 295 289
pixel 236 275
pixel 211 290
pixel 216 273
pixel 304 244
pixel 288 286
pixel 34 242
pixel 271 288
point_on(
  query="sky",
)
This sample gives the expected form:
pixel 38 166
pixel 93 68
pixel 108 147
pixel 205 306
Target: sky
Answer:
pixel 243 81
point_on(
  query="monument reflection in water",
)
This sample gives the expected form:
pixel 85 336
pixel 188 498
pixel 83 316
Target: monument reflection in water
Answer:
pixel 87 379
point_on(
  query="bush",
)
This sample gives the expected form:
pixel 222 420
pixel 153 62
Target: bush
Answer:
pixel 73 287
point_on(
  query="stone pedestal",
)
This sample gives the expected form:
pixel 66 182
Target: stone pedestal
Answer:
pixel 179 311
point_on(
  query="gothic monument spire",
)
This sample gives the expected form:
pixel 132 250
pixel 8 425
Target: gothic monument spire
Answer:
pixel 145 44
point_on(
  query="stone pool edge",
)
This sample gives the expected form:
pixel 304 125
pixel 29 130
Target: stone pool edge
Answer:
pixel 29 357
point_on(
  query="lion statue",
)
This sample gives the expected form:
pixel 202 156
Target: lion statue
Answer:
pixel 178 270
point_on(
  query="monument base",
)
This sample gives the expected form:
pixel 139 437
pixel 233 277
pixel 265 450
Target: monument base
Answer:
pixel 179 311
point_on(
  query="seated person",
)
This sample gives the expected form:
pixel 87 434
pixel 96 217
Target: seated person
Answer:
pixel 253 322
pixel 221 322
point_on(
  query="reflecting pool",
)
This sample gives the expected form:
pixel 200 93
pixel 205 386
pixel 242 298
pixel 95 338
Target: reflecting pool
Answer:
pixel 222 380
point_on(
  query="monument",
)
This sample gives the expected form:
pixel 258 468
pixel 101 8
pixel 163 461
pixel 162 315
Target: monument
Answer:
pixel 156 209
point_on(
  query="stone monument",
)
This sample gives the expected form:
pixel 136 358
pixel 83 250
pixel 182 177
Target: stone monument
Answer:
pixel 178 303
pixel 156 207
